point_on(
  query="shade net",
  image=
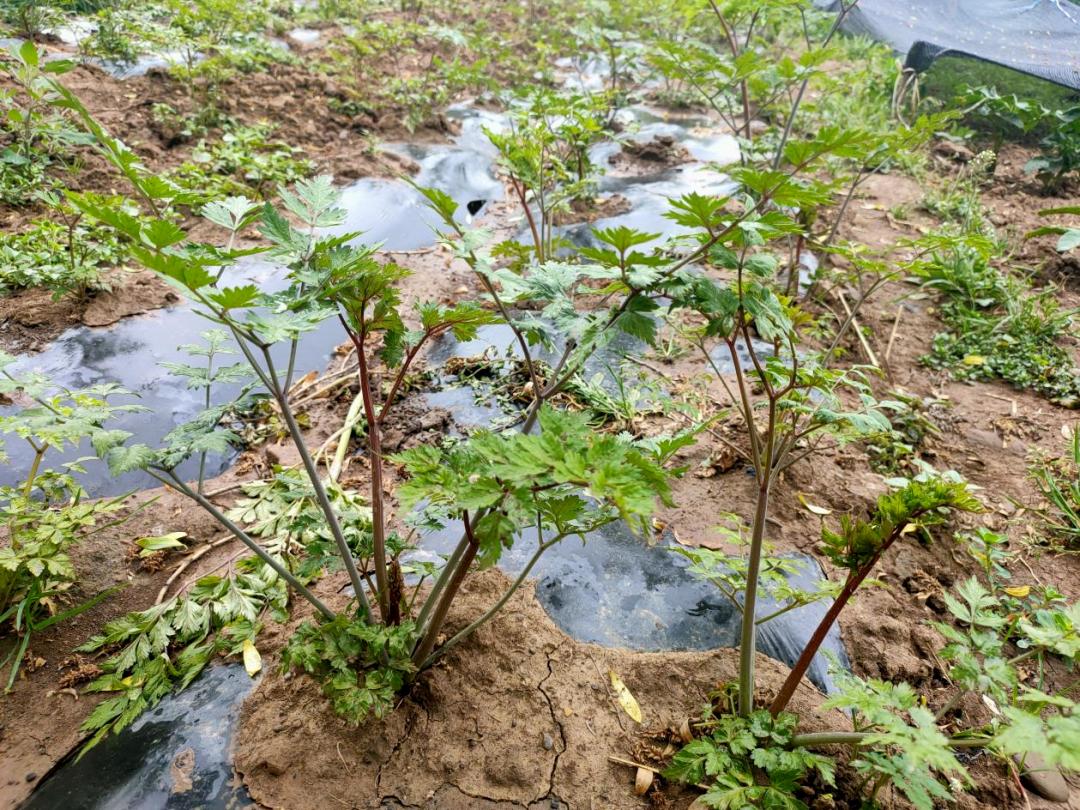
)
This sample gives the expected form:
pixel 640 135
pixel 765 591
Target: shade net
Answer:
pixel 1037 37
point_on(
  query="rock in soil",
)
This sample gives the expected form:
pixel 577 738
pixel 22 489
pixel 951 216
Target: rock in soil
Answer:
pixel 1043 779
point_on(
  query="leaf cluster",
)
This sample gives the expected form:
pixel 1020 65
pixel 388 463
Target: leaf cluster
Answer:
pixel 923 502
pixel 362 667
pixel 748 762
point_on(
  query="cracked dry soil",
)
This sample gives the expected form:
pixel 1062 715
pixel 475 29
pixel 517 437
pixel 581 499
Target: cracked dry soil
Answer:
pixel 520 716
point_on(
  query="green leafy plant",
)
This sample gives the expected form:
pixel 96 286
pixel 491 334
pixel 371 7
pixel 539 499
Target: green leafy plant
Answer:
pixel 48 512
pixel 857 547
pixel 495 486
pixel 245 161
pixel 1059 128
pixel 545 155
pixel 1068 237
pixel 30 17
pixel 899 738
pixel 205 377
pixel 166 646
pixel 958 200
pixel 748 761
pixel 893 451
pixel 33 136
pixel 996 328
pixel 1059 484
pixel 65 254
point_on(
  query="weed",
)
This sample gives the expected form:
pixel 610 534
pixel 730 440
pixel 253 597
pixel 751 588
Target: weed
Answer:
pixel 958 201
pixel 616 399
pixel 892 451
pixel 29 17
pixel 48 512
pixel 246 160
pixel 1059 483
pixel 66 255
pixel 997 329
pixel 1059 156
pixel 33 135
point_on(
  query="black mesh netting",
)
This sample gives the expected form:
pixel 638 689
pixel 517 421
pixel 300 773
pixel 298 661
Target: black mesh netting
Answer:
pixel 1038 37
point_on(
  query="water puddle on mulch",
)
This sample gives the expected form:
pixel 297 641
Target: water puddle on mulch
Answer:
pixel 617 590
pixel 386 211
pixel 175 756
pixel 129 353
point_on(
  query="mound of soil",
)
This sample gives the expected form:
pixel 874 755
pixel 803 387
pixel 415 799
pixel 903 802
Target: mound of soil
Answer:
pixel 519 715
pixel 662 149
pixel 592 210
pixel 31 318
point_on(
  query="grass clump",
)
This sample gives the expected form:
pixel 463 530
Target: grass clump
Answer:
pixel 1059 483
pixel 998 329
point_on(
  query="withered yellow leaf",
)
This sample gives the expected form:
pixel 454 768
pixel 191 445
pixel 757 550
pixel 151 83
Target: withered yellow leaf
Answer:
pixel 812 508
pixel 252 659
pixel 625 697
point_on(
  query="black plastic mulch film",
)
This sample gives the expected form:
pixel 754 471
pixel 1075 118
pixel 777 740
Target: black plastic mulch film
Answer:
pixel 1037 37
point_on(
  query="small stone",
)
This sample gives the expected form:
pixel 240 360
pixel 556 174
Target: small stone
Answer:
pixel 31 777
pixel 549 743
pixel 433 419
pixel 392 439
pixel 1043 779
pixel 275 766
pixel 906 566
pixel 952 150
pixel 936 603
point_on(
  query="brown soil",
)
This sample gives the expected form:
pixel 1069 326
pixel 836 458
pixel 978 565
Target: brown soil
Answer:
pixel 518 716
pixel 663 150
pixel 592 210
pixel 29 319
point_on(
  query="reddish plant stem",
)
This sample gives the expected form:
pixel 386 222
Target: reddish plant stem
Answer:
pixel 519 188
pixel 427 643
pixel 852 584
pixel 378 504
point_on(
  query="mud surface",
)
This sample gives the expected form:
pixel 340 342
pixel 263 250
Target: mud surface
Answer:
pixel 176 755
pixel 519 716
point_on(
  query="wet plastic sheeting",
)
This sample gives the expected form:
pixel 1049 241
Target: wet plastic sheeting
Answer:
pixel 1037 37
pixel 471 409
pixel 129 353
pixel 395 214
pixel 176 756
pixel 617 590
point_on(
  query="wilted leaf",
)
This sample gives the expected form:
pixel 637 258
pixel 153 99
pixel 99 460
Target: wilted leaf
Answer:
pixel 150 545
pixel 814 509
pixel 1019 591
pixel 625 697
pixel 252 659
